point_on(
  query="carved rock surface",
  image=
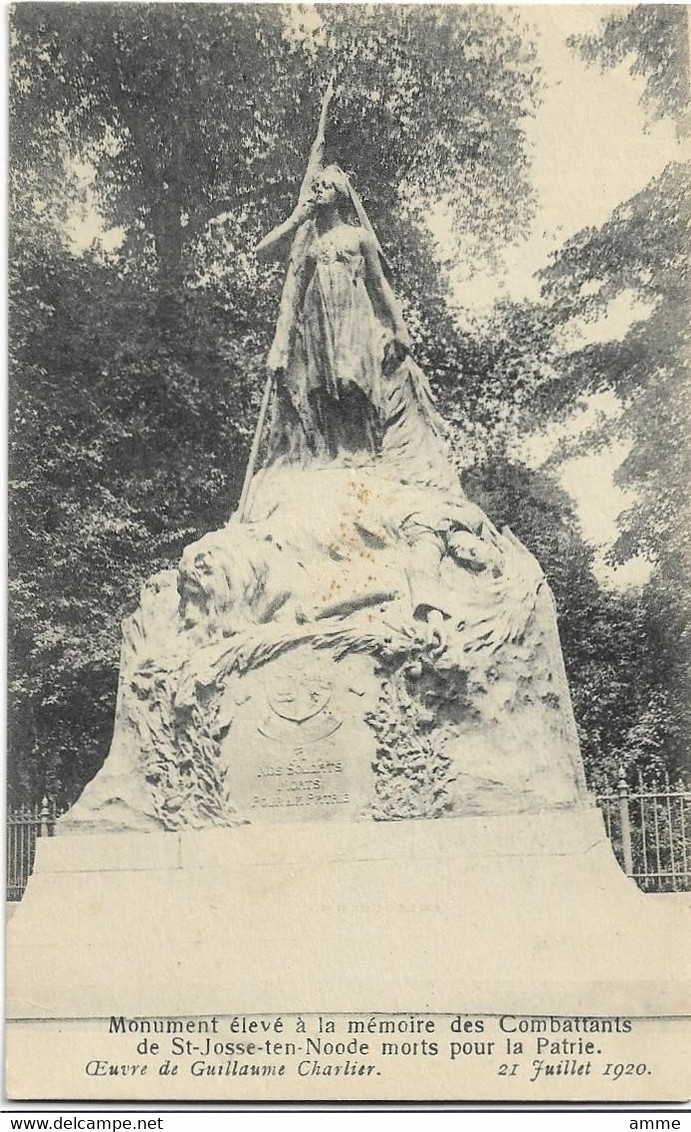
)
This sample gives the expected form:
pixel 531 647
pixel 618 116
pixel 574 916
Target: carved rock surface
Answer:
pixel 358 648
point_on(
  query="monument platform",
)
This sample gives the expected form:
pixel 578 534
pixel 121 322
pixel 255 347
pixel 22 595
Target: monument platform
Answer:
pixel 526 913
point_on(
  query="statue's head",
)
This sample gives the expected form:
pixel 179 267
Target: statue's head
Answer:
pixel 331 186
pixel 220 580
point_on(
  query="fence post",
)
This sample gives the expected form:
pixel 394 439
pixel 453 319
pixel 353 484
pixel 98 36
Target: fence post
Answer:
pixel 44 817
pixel 625 822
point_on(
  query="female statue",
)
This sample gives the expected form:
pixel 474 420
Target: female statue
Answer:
pixel 340 330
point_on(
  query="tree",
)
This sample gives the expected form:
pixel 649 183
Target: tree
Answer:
pixel 642 252
pixel 124 447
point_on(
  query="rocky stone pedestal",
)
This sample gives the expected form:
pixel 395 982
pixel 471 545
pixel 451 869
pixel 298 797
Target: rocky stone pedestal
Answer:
pixel 525 913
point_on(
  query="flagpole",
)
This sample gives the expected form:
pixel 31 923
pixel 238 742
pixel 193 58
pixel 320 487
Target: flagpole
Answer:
pixel 254 450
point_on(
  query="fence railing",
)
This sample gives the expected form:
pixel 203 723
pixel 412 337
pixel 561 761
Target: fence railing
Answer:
pixel 24 825
pixel 647 825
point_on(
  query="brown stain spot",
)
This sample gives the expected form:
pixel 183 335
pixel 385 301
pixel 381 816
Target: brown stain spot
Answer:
pixel 360 491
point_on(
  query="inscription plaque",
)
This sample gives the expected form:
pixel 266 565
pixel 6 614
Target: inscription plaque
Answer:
pixel 298 749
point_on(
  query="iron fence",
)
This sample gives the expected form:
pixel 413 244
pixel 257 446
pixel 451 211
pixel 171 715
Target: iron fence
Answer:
pixel 647 825
pixel 24 825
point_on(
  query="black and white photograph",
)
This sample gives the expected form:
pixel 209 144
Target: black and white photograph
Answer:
pixel 348 633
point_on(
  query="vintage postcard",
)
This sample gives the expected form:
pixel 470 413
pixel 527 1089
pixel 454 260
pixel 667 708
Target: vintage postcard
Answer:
pixel 349 604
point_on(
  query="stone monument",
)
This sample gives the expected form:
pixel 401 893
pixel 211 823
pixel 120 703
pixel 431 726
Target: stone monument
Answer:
pixel 359 641
pixel 345 772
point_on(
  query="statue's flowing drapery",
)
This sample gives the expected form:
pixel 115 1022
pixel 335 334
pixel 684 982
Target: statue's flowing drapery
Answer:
pixel 331 351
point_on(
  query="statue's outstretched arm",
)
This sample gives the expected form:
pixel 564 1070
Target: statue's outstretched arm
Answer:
pixel 274 245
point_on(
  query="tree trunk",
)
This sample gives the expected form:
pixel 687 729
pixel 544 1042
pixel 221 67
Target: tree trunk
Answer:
pixel 168 242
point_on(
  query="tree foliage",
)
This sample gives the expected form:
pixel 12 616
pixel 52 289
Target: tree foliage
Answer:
pixel 642 252
pixel 190 111
pixel 653 40
pixel 128 439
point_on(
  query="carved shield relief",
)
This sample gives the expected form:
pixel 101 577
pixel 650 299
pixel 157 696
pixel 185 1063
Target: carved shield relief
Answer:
pixel 298 695
pixel 300 710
